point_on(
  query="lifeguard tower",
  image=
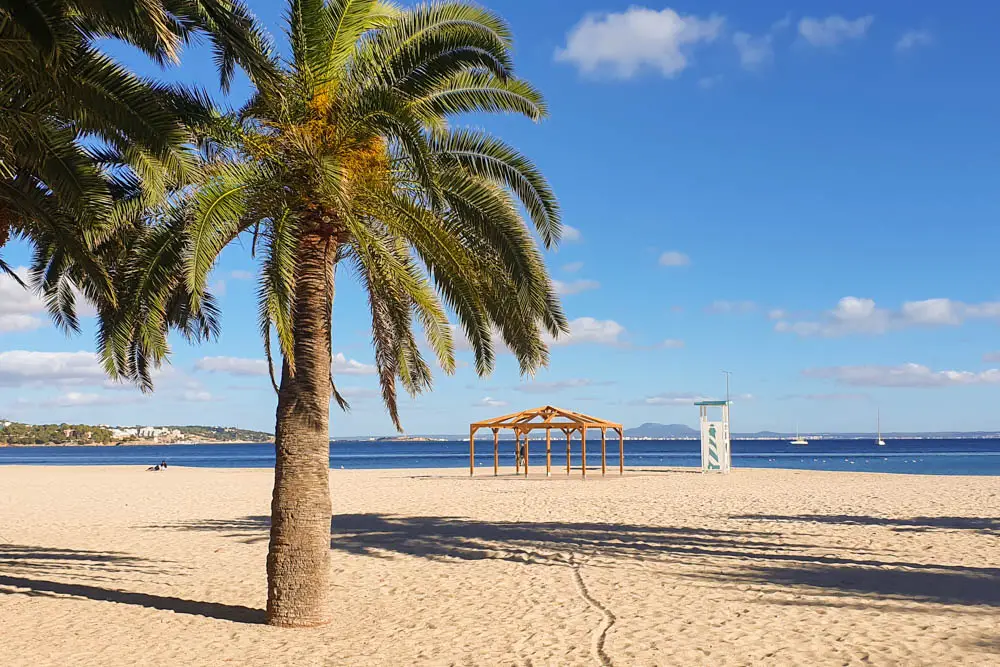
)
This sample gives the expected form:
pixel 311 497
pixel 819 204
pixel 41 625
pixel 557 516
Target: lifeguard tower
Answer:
pixel 716 454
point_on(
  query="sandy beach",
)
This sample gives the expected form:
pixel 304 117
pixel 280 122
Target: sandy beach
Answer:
pixel 108 566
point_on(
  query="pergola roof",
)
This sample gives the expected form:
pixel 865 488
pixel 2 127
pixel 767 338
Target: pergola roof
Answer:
pixel 546 417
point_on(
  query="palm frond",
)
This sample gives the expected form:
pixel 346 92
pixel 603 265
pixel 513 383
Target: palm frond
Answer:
pixel 490 158
pixel 276 287
pixel 218 211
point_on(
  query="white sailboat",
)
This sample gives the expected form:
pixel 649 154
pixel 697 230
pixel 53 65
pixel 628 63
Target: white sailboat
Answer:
pixel 799 440
pixel 878 426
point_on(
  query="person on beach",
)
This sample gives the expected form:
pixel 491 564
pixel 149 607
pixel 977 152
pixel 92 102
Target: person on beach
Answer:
pixel 155 468
pixel 163 465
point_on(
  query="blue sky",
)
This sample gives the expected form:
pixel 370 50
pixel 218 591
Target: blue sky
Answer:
pixel 806 200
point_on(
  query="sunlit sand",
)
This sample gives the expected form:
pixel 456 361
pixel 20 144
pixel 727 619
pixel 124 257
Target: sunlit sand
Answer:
pixel 106 566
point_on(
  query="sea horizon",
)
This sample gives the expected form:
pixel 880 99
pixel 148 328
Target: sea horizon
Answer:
pixel 960 456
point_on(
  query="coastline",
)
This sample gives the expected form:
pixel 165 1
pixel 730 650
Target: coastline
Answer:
pixel 761 566
pixel 139 443
pixel 968 457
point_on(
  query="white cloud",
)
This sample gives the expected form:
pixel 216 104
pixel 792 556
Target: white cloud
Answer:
pixel 674 258
pixel 232 365
pixel 571 234
pixel 723 307
pixel 489 402
pixel 905 375
pixel 575 286
pixel 833 30
pixel 677 399
pixel 669 399
pixel 241 275
pixel 912 39
pixel 782 23
pixel 197 396
pixel 159 375
pixel 241 366
pixel 74 399
pixel 932 312
pixel 357 392
pixel 777 314
pixel 827 397
pixel 708 82
pixel 19 306
pixel 584 330
pixel 25 367
pixel 344 366
pixel 854 315
pixel 623 44
pixel 559 385
pixel 755 52
pixel 15 299
pixel 672 344
pixel 10 323
pixel 23 310
pixel 573 267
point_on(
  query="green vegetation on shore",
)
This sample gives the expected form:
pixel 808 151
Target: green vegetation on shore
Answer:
pixel 223 434
pixel 13 433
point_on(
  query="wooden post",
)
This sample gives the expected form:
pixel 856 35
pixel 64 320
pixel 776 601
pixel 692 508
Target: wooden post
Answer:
pixel 496 452
pixel 517 452
pixel 604 452
pixel 569 435
pixel 621 452
pixel 548 452
pixel 583 450
pixel 527 437
pixel 472 451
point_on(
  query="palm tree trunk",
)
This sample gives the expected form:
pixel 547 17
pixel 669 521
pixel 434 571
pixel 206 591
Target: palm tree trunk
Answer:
pixel 298 558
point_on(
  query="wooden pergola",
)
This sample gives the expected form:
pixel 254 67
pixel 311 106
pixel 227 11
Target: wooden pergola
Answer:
pixel 546 417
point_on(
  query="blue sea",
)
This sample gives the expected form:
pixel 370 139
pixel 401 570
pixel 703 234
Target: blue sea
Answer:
pixel 925 457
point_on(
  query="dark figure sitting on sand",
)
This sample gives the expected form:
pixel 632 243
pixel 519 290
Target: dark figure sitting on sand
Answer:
pixel 153 468
pixel 163 464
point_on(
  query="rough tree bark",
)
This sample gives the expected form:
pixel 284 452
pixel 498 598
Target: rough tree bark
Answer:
pixel 298 559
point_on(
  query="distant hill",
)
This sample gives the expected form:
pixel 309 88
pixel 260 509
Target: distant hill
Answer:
pixel 669 431
pixel 223 433
pixel 653 430
pixel 15 433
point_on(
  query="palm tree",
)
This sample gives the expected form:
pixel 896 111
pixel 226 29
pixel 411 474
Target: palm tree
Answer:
pixel 349 159
pixel 84 143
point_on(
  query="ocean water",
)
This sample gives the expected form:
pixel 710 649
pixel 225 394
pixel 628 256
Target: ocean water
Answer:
pixel 925 457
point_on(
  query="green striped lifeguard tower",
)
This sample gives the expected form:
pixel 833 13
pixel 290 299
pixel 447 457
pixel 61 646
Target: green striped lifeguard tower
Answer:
pixel 716 454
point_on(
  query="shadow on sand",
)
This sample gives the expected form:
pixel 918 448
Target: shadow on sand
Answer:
pixel 985 525
pixel 964 586
pixel 16 559
pixel 775 559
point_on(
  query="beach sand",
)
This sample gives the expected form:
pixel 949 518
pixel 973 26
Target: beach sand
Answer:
pixel 115 565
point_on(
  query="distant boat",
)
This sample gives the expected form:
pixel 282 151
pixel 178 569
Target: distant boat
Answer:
pixel 799 440
pixel 878 429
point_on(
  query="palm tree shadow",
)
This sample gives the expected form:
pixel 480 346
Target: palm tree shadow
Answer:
pixel 24 560
pixel 450 538
pixel 763 556
pixel 968 586
pixel 984 525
